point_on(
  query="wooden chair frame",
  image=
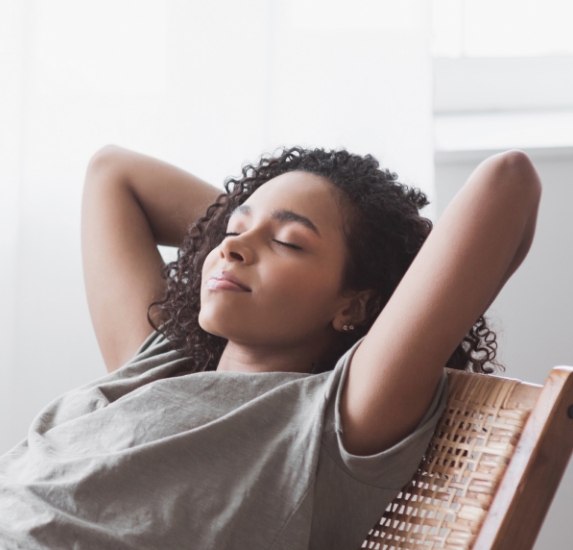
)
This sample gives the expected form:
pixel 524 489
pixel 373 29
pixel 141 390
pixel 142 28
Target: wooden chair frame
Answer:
pixel 491 470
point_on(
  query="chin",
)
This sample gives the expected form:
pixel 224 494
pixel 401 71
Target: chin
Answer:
pixel 211 326
pixel 206 326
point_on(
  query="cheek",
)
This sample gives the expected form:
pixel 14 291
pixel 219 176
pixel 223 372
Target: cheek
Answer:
pixel 208 264
pixel 305 286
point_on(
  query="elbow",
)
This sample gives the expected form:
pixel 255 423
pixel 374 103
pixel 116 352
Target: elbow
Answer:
pixel 520 171
pixel 104 162
pixel 517 160
pixel 103 157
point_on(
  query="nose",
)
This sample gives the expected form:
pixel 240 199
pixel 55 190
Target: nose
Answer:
pixel 235 249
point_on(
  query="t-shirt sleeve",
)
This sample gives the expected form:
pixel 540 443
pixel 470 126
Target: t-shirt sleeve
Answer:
pixel 150 344
pixel 156 350
pixel 393 467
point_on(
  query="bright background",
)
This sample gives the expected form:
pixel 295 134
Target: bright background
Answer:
pixel 429 88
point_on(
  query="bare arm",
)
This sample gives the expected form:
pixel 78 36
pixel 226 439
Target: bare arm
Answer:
pixel 170 198
pixel 521 252
pixel 480 240
pixel 130 204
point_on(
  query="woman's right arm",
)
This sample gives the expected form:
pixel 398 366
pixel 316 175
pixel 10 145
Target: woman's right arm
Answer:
pixel 131 203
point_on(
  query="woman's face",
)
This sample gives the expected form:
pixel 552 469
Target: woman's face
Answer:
pixel 294 292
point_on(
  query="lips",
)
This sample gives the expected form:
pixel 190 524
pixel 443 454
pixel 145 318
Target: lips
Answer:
pixel 221 275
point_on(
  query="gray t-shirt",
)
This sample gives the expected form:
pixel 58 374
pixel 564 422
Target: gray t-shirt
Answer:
pixel 141 459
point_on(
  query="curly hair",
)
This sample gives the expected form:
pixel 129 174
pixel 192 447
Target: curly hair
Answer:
pixel 383 232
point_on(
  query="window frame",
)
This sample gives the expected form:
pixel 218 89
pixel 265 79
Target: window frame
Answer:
pixel 469 84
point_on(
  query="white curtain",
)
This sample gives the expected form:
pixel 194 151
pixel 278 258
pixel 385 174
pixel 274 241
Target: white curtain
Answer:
pixel 204 85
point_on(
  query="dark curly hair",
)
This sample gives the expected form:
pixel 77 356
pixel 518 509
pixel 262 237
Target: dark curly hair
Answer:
pixel 383 232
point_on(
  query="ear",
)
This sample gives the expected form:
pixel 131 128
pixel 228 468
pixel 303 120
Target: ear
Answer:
pixel 353 312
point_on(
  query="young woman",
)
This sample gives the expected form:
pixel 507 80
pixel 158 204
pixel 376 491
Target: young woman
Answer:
pixel 277 384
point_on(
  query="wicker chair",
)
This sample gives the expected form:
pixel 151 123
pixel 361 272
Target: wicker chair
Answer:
pixel 491 470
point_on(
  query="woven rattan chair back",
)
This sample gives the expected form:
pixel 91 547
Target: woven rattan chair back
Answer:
pixel 491 469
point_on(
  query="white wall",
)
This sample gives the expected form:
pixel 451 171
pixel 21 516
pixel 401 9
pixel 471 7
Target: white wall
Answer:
pixel 204 85
pixel 11 54
pixel 534 310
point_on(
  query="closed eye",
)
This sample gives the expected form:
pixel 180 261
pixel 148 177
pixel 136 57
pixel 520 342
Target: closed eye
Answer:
pixel 280 242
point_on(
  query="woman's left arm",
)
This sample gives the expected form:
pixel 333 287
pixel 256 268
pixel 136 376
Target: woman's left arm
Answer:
pixel 525 245
pixel 477 244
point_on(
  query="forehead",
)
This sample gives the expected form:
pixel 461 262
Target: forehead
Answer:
pixel 305 194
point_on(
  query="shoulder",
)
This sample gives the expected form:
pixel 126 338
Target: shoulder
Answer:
pixel 388 466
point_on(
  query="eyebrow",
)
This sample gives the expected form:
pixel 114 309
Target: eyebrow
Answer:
pixel 284 216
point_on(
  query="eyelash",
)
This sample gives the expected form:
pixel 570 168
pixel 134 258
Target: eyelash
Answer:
pixel 294 246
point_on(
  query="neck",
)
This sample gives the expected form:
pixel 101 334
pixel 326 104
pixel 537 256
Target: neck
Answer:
pixel 288 357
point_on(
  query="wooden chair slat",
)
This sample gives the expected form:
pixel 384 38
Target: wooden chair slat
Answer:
pixel 492 467
pixel 529 484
